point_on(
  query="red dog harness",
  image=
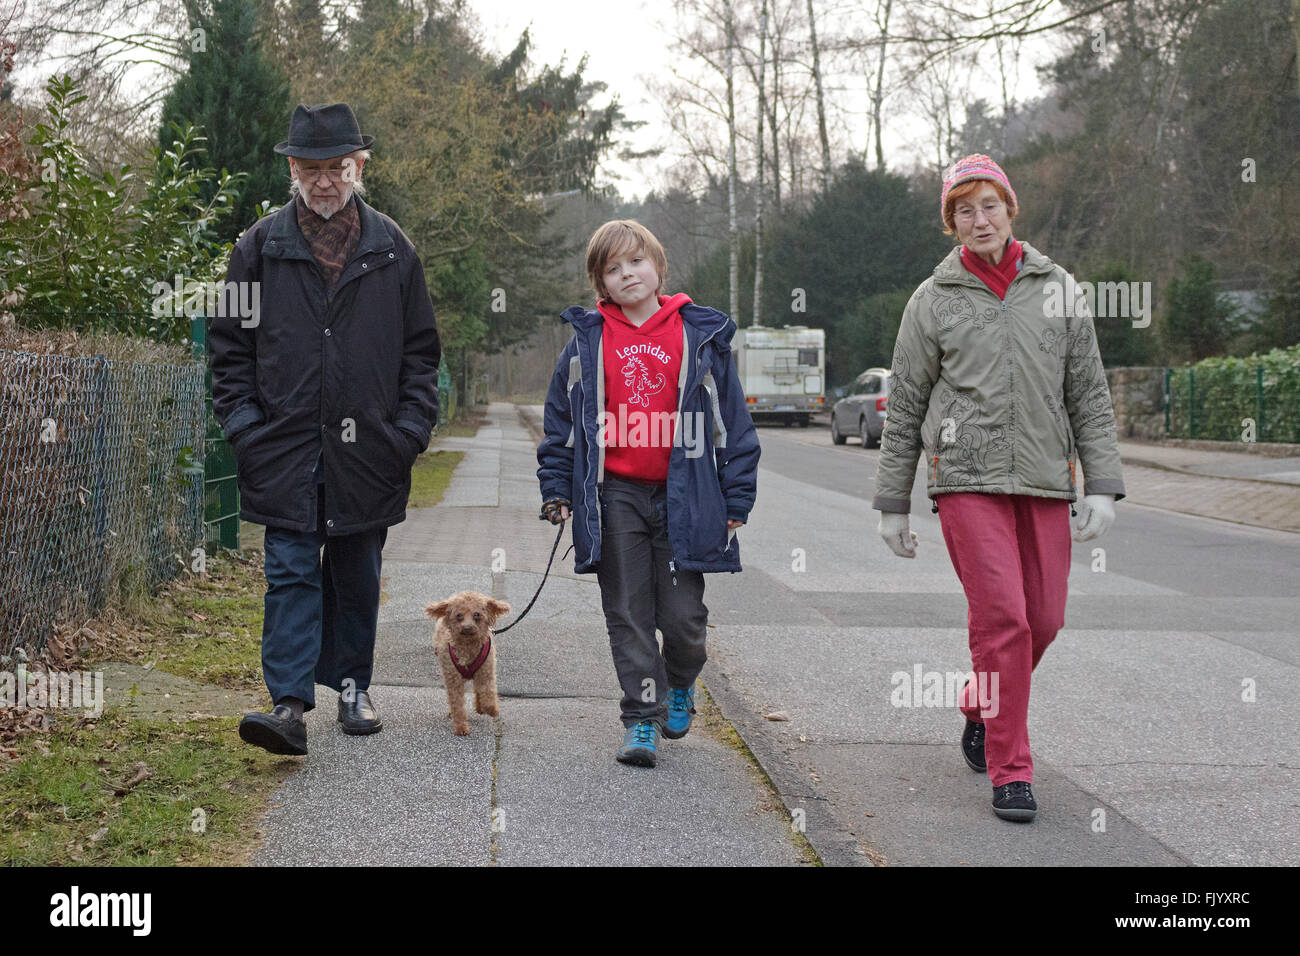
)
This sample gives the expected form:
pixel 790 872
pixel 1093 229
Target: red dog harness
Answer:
pixel 468 672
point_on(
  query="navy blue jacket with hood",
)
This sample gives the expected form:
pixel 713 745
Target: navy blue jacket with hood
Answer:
pixel 712 470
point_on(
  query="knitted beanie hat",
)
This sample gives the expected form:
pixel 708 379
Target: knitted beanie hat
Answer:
pixel 973 167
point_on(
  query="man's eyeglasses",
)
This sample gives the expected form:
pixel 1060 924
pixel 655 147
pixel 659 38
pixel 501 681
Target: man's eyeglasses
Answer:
pixel 991 209
pixel 346 172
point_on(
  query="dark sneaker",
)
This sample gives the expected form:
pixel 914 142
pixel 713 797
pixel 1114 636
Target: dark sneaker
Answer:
pixel 640 745
pixel 681 704
pixel 1015 801
pixel 359 716
pixel 972 746
pixel 279 731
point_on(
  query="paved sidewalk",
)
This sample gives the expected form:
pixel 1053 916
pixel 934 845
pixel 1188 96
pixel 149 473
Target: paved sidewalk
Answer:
pixel 1213 463
pixel 539 784
pixel 1232 486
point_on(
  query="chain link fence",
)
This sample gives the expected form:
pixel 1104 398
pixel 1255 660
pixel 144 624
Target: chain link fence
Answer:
pixel 101 484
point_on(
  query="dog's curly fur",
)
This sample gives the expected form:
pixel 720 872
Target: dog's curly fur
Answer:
pixel 464 621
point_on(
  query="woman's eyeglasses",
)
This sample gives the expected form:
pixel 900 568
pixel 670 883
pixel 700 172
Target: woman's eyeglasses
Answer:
pixel 991 209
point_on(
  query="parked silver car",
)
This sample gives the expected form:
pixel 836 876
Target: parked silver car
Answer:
pixel 861 411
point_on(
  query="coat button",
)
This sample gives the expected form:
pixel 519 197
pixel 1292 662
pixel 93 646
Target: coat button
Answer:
pixel 329 523
pixel 328 332
pixel 365 265
pixel 392 256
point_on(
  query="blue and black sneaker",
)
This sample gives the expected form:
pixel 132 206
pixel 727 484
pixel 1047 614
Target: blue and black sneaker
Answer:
pixel 640 745
pixel 681 704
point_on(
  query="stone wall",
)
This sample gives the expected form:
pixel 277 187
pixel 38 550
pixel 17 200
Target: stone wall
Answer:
pixel 1138 395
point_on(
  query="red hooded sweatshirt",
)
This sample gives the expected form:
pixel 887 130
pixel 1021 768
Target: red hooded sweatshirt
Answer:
pixel 642 366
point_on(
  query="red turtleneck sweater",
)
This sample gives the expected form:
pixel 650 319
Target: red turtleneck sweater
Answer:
pixel 997 278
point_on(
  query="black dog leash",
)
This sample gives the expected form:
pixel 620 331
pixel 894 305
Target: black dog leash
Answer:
pixel 500 630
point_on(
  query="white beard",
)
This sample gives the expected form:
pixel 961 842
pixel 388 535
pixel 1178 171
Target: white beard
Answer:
pixel 325 208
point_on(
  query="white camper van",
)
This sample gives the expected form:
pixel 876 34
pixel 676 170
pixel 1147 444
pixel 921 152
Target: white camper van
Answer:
pixel 782 372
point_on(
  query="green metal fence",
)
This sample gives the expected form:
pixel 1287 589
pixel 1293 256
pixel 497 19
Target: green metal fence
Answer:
pixel 1233 402
pixel 446 395
pixel 220 485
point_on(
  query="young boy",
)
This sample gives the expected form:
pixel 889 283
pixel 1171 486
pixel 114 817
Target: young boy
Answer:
pixel 649 442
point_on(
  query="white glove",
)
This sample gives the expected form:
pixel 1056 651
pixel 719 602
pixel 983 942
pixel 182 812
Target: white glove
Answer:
pixel 900 538
pixel 1096 513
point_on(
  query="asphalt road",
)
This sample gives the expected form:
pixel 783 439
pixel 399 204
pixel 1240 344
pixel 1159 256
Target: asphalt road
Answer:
pixel 1163 719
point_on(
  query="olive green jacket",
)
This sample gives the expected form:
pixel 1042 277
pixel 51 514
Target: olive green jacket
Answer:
pixel 1004 396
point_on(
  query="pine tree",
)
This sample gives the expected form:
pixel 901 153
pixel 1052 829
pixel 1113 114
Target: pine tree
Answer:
pixel 240 100
pixel 1197 320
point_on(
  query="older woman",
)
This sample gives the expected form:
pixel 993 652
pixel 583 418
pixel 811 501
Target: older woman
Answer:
pixel 997 374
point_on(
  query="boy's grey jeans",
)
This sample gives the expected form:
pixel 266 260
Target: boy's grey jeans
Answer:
pixel 638 593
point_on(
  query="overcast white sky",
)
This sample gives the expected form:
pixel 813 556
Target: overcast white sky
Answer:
pixel 629 40
pixel 622 40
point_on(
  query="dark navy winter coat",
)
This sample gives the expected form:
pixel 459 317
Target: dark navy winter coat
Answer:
pixel 704 489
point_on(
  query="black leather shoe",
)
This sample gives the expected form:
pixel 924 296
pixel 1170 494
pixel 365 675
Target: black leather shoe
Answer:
pixel 359 717
pixel 279 731
pixel 1015 801
pixel 972 746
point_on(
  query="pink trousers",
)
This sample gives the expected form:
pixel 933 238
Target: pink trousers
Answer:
pixel 1012 554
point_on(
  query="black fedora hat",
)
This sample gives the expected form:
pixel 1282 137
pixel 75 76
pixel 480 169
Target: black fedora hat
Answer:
pixel 323 132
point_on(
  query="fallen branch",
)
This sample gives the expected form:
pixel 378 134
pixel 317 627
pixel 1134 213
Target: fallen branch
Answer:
pixel 142 773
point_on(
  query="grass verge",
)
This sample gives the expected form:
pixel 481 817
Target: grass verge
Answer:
pixel 131 786
pixel 124 791
pixel 431 476
pixel 205 627
pixel 467 423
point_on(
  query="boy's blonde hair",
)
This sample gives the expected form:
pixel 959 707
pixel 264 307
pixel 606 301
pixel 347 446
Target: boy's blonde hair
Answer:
pixel 613 238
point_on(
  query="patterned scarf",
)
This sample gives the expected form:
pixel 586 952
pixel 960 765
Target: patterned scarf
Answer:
pixel 332 240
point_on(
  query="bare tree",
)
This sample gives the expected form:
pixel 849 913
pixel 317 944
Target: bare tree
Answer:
pixel 758 195
pixel 821 99
pixel 779 26
pixel 878 94
pixel 1295 24
pixel 733 233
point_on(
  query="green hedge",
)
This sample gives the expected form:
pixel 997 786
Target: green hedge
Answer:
pixel 1211 398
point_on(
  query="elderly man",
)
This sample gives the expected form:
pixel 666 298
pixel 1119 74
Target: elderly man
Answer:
pixel 327 396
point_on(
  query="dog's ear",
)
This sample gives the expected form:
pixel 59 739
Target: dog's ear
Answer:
pixel 497 608
pixel 437 610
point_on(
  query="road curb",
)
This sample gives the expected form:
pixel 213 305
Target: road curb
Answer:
pixel 828 836
pixel 534 427
pixel 1147 463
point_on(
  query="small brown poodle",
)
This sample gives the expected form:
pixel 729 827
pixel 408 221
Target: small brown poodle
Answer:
pixel 463 642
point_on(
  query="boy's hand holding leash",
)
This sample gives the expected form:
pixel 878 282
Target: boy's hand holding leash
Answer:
pixel 555 510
